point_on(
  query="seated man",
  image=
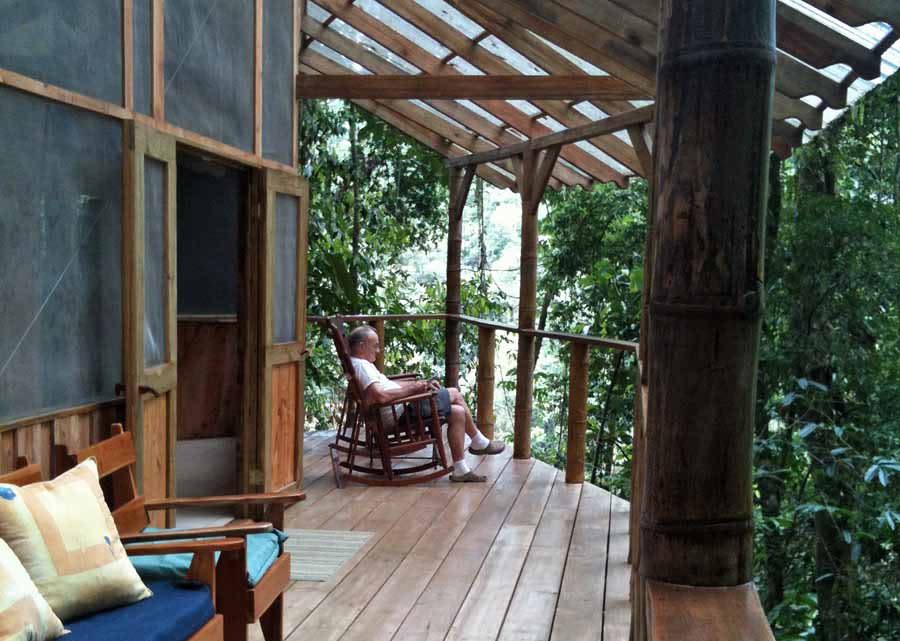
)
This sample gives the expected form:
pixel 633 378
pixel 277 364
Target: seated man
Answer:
pixel 378 388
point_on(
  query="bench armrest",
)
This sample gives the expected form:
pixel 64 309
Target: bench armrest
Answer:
pixel 283 498
pixel 242 529
pixel 185 547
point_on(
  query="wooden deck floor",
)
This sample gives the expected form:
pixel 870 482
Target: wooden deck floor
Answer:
pixel 524 557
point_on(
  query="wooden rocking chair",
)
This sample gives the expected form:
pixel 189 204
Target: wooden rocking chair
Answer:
pixel 363 434
pixel 239 603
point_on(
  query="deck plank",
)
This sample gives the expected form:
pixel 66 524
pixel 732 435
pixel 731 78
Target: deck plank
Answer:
pixel 436 608
pixel 579 612
pixel 617 607
pixel 520 558
pixel 480 618
pixel 385 613
pixel 530 614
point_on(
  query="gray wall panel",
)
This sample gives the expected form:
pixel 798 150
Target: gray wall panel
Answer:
pixel 278 79
pixel 60 255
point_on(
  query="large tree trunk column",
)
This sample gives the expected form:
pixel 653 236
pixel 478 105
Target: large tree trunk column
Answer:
pixel 714 97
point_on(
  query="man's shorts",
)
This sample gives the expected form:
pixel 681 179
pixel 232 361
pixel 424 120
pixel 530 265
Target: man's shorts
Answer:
pixel 423 408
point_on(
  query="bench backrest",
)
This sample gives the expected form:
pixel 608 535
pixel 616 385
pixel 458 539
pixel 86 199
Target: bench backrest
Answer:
pixel 24 474
pixel 116 459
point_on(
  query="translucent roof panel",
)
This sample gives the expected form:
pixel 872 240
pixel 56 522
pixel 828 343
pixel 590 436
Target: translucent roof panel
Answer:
pixel 465 68
pixel 608 160
pixel 590 110
pixel 584 65
pixel 360 38
pixel 525 107
pixel 511 57
pixel 442 116
pixel 451 16
pixel 339 58
pixel 468 104
pixel 401 26
pixel 316 12
pixel 857 34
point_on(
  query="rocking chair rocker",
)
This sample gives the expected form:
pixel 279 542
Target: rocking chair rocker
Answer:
pixel 363 433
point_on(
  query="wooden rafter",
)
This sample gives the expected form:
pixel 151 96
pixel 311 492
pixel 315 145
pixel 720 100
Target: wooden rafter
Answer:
pixel 620 122
pixel 480 57
pixel 506 87
pixel 495 134
pixel 859 12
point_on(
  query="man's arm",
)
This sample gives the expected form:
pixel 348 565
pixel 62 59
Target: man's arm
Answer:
pixel 375 393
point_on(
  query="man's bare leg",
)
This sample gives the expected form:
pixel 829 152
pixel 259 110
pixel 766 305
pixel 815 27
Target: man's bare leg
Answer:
pixel 480 443
pixel 456 433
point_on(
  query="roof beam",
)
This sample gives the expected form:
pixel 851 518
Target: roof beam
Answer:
pixel 603 127
pixel 506 87
pixel 478 56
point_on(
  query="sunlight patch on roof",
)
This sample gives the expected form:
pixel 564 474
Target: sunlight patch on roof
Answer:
pixel 525 107
pixel 494 120
pixel 584 65
pixel 451 16
pixel 605 158
pixel 401 26
pixel 316 12
pixel 465 67
pixel 339 58
pixel 511 57
pixel 362 39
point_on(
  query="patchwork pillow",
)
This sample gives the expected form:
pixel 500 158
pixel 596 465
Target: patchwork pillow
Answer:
pixel 64 535
pixel 24 613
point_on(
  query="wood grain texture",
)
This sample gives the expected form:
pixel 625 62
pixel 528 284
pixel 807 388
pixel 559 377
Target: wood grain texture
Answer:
pixel 284 424
pixel 155 453
pixel 577 420
pixel 684 613
pixel 484 415
pixel 209 399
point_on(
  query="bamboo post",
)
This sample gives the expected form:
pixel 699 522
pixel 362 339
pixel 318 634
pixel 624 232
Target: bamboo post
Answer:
pixel 460 181
pixel 713 130
pixel 378 324
pixel 533 170
pixel 485 407
pixel 578 392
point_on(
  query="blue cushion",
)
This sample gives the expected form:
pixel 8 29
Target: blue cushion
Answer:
pixel 174 613
pixel 262 551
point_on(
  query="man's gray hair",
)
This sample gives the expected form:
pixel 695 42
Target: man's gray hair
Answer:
pixel 359 336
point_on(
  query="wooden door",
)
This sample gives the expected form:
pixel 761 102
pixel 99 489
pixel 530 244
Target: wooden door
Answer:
pixel 150 308
pixel 283 205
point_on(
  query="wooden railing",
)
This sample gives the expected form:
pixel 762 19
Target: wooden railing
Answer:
pixel 484 415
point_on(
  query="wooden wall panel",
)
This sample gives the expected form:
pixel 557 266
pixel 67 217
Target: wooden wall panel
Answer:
pixel 156 453
pixel 71 431
pixel 285 380
pixel 209 389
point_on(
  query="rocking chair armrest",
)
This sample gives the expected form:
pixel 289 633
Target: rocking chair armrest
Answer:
pixel 405 399
pixel 268 498
pixel 242 529
pixel 404 375
pixel 183 547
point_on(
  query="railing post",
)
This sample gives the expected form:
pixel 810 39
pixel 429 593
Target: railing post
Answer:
pixel 379 330
pixel 485 407
pixel 578 388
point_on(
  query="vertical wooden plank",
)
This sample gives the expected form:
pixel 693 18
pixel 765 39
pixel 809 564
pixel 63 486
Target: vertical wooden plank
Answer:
pixel 578 388
pixel 155 453
pixel 257 76
pixel 159 60
pixel 284 425
pixel 263 461
pixel 127 54
pixel 485 380
pixel 7 451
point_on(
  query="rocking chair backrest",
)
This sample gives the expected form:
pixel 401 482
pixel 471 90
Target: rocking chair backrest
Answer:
pixel 335 328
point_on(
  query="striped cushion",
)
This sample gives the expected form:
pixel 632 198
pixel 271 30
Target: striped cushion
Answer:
pixel 64 535
pixel 24 614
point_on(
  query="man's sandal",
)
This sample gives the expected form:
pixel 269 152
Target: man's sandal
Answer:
pixel 468 477
pixel 494 447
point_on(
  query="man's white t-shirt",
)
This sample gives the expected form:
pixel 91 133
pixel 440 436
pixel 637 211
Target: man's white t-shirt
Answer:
pixel 367 374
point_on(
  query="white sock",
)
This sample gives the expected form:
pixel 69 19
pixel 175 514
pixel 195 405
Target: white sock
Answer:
pixel 461 468
pixel 480 441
